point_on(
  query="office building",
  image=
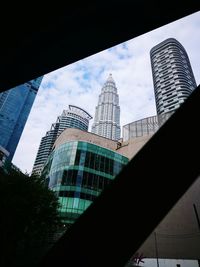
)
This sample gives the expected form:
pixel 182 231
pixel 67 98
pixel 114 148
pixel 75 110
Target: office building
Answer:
pixel 74 117
pixel 15 106
pixel 44 150
pixel 107 113
pixel 79 167
pixel 173 77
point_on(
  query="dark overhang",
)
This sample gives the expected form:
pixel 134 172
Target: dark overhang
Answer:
pixel 36 40
pixel 119 221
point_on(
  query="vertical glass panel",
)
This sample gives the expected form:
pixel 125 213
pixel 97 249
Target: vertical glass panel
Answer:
pixel 70 202
pixel 76 203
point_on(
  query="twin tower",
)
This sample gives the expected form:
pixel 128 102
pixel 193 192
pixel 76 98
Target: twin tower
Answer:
pixel 106 122
pixel 107 113
pixel 173 81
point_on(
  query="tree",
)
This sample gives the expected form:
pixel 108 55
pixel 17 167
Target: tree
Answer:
pixel 28 216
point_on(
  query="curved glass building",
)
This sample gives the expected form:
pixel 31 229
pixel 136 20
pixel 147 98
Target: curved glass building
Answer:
pixel 143 127
pixel 173 77
pixel 80 166
pixel 74 117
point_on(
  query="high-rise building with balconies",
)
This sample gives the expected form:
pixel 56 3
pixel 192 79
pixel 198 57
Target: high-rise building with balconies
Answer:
pixel 173 77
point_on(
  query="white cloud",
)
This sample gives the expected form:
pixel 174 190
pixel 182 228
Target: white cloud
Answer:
pixel 80 83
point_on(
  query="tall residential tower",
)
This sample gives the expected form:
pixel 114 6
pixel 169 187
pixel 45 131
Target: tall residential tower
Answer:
pixel 15 106
pixel 74 117
pixel 107 114
pixel 173 77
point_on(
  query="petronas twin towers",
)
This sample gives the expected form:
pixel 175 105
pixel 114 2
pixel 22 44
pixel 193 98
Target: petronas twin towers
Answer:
pixel 173 82
pixel 106 122
pixel 107 113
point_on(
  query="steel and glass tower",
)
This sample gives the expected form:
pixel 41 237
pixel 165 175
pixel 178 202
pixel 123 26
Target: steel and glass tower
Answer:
pixel 74 117
pixel 15 106
pixel 173 77
pixel 107 114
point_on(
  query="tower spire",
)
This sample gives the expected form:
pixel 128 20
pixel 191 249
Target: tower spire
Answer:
pixel 110 78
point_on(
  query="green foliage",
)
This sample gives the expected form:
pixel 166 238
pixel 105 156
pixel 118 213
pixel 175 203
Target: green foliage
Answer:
pixel 29 215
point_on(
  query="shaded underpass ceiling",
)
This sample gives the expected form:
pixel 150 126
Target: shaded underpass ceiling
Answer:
pixel 36 40
pixel 35 44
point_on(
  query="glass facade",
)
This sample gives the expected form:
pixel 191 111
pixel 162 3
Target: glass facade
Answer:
pixel 143 127
pixel 15 106
pixel 45 147
pixel 74 117
pixel 78 172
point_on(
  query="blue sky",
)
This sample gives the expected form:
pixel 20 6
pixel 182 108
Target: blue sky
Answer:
pixel 80 83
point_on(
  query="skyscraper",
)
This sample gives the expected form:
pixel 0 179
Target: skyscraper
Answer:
pixel 74 117
pixel 107 114
pixel 15 106
pixel 173 77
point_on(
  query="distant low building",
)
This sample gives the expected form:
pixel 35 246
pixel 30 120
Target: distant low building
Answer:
pixel 144 127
